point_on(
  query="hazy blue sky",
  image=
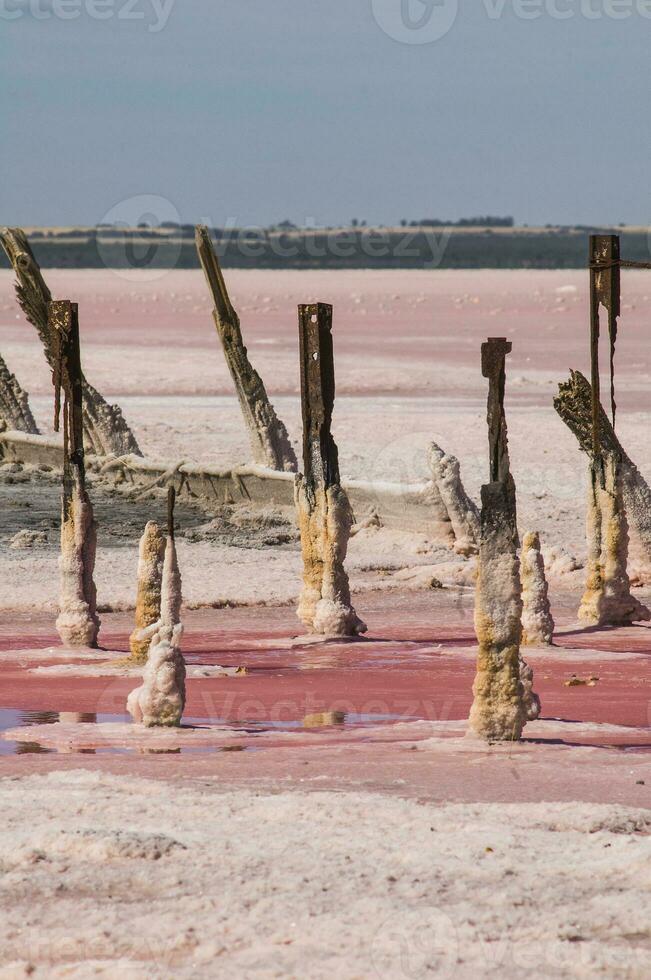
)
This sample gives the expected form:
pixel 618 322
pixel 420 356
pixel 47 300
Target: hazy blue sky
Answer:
pixel 259 110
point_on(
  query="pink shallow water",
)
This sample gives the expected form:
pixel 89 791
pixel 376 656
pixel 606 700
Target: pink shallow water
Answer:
pixel 407 670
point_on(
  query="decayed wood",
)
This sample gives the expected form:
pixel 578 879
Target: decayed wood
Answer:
pixel 269 439
pixel 15 412
pixel 605 287
pixel 324 513
pixel 503 687
pixel 105 428
pixel 574 405
pixel 78 622
pixel 320 454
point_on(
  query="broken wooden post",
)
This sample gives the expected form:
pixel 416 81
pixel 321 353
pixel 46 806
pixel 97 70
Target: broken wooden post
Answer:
pixel 269 439
pixel 105 428
pixel 573 404
pixel 324 513
pixel 78 622
pixel 148 598
pixel 171 593
pixel 605 286
pixel 160 699
pixel 502 704
pixel 15 412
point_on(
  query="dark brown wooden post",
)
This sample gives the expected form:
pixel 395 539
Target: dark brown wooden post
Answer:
pixel 68 378
pixel 493 367
pixel 78 622
pixel 605 290
pixel 323 509
pixel 320 456
pixel 171 500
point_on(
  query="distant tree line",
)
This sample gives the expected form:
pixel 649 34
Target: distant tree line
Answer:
pixel 484 221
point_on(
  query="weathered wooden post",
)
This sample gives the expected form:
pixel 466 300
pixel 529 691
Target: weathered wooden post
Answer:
pixel 574 405
pixel 607 599
pixel 105 428
pixel 15 412
pixel 605 289
pixel 503 698
pixel 269 439
pixel 78 622
pixel 324 513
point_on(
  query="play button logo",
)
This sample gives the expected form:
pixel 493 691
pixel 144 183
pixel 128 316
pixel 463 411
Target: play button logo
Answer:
pixel 415 21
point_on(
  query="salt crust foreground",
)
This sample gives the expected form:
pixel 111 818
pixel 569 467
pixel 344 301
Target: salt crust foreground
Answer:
pixel 153 884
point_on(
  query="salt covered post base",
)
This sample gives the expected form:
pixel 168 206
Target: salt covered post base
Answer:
pixel 503 689
pixel 171 586
pixel 323 509
pixel 498 712
pixel 462 511
pixel 537 621
pixel 148 599
pixel 160 700
pixel 325 520
pixel 573 404
pixel 78 623
pixel 607 599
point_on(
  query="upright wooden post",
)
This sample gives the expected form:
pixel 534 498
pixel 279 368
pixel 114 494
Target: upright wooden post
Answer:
pixel 605 290
pixel 269 439
pixel 78 623
pixel 503 696
pixel 324 513
pixel 320 455
pixel 607 599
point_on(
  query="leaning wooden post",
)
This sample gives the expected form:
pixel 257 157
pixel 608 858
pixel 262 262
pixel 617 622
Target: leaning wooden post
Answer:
pixel 105 428
pixel 324 513
pixel 573 404
pixel 269 439
pixel 500 707
pixel 78 622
